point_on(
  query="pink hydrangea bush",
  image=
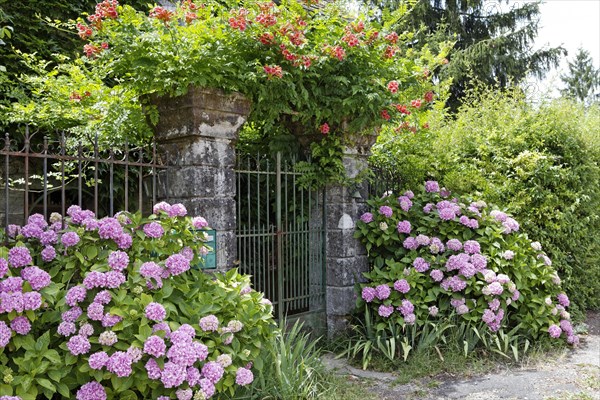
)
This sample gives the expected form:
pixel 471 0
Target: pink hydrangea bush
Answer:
pixel 122 307
pixel 437 257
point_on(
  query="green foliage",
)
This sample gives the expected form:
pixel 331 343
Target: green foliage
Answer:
pixel 41 363
pixel 539 163
pixel 429 266
pixel 293 368
pixel 583 79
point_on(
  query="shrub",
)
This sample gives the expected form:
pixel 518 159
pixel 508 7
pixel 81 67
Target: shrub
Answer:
pixel 541 163
pixel 436 257
pixel 126 313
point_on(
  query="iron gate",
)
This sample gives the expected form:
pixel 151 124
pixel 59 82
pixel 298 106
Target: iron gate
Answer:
pixel 281 235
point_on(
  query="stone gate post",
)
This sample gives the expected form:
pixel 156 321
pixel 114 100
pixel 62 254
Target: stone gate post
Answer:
pixel 197 133
pixel 346 256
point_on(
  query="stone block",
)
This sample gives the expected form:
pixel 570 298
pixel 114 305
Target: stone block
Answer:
pixel 219 212
pixel 199 151
pixel 341 243
pixel 200 112
pixel 346 271
pixel 200 181
pixel 226 250
pixel 337 324
pixel 340 300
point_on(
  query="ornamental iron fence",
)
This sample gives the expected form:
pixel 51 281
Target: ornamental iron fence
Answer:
pixel 45 174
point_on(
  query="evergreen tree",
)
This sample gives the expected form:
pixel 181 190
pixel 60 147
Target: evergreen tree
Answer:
pixel 493 40
pixel 583 79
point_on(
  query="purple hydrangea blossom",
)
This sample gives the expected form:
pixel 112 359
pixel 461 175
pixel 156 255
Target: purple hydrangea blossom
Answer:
pixel 5 334
pixel 243 376
pixel 472 247
pixel 182 354
pixel 493 289
pixel 31 231
pixel 86 330
pixel 368 294
pixel 409 194
pixel 366 217
pixel 118 260
pixel 98 360
pixel 454 284
pixel 173 375
pixel 32 300
pixel 432 186
pixel 75 295
pixel 103 297
pixel 382 292
pixel 423 240
pixel 386 211
pixel 13 230
pixel 199 222
pixel 563 300
pixel 48 254
pixel 210 323
pixel 161 207
pixel 177 264
pixel 385 311
pixel 194 376
pixel 207 388
pixel 154 230
pixel 420 264
pixel 48 238
pixel 91 391
pixel 78 345
pixel 428 207
pixel 20 325
pixel 213 371
pixel 153 369
pixel 554 331
pixel 119 364
pixel 433 311
pixel 110 228
pixel 177 210
pixel 510 225
pixel 37 278
pixel 402 286
pixel 454 244
pixel 436 275
pixel 184 394
pixel 110 320
pixel 406 308
pixel 11 284
pixel 447 214
pixel 479 261
pixel 405 203
pixel 70 239
pixel 3 267
pixel 95 312
pixel 404 227
pixel 114 279
pixel 72 314
pixel 155 312
pixel 19 257
pixel 155 346
pixel 410 243
pixel 436 246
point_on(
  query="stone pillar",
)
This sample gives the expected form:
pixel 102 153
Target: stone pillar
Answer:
pixel 346 256
pixel 197 133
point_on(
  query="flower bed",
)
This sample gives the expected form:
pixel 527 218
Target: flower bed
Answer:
pixel 435 256
pixel 113 310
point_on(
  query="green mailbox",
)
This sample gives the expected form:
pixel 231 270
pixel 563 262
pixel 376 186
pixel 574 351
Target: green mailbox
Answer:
pixel 210 260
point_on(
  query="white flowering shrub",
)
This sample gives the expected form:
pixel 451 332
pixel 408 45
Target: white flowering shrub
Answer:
pixel 118 308
pixel 436 257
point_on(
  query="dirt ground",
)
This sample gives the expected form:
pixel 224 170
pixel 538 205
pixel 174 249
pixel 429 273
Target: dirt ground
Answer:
pixel 571 375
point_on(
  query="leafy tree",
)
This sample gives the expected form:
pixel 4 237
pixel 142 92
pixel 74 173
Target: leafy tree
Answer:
pixel 493 40
pixel 583 79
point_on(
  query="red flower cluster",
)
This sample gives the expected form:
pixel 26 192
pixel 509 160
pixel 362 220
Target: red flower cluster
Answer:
pixel 416 103
pixel 238 20
pixel 390 51
pixel 161 14
pixel 91 51
pixel 351 39
pixel 76 97
pixel 106 9
pixel 393 86
pixel 267 38
pixel 402 109
pixel 428 96
pixel 324 128
pixel 392 37
pixel 385 115
pixel 274 71
pixel 266 18
pixel 84 31
pixel 190 17
pixel 335 51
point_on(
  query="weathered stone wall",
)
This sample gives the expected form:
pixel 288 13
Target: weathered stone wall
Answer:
pixel 346 256
pixel 197 133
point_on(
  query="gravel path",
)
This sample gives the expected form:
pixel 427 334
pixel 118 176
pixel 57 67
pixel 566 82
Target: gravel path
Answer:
pixel 572 375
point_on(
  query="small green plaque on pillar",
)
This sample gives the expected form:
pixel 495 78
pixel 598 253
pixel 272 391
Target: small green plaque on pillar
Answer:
pixel 210 260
